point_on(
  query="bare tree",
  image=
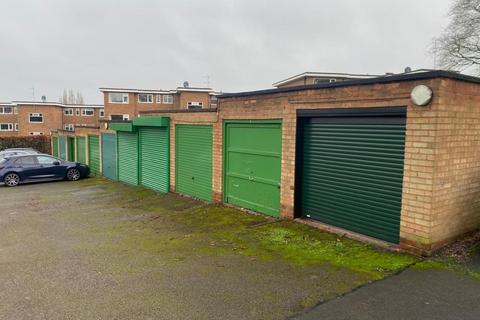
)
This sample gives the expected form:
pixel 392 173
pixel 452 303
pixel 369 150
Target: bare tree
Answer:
pixel 70 97
pixel 64 98
pixel 79 98
pixel 458 47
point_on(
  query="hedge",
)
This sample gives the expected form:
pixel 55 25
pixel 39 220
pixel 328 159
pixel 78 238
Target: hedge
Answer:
pixel 40 143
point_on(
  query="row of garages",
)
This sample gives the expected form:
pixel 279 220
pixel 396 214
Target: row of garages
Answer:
pixel 344 181
pixel 362 158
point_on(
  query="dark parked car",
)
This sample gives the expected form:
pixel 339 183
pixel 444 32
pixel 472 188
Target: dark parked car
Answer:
pixel 39 167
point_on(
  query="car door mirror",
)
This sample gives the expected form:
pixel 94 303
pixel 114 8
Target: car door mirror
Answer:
pixel 56 163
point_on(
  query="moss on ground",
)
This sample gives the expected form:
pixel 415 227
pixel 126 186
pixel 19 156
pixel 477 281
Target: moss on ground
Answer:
pixel 165 223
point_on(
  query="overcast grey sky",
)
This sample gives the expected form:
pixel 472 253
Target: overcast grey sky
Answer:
pixel 241 44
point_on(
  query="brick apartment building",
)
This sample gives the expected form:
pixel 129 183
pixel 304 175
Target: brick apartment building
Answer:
pixel 307 78
pixel 21 118
pixel 125 104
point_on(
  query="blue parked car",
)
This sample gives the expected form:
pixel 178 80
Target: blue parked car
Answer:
pixel 39 167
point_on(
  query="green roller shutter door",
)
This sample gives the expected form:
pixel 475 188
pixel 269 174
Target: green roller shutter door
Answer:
pixel 94 154
pixel 127 157
pixel 81 150
pixel 62 145
pixel 253 165
pixel 353 171
pixel 193 161
pixel 71 149
pixel 154 158
pixel 55 146
pixel 109 156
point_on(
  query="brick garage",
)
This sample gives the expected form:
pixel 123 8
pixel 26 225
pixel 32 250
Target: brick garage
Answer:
pixel 441 179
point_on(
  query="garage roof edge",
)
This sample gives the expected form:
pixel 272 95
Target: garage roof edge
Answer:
pixel 355 82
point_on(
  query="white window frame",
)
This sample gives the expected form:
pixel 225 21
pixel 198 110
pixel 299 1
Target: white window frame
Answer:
pixel 148 95
pixel 36 133
pixel 30 115
pixel 68 112
pixel 124 97
pixel 16 126
pixel 3 110
pixel 167 99
pixel 84 112
pixel 323 80
pixel 195 105
pixel 78 112
pixel 68 127
pixel 101 113
pixel 159 98
pixel 124 116
pixel 15 110
pixel 9 126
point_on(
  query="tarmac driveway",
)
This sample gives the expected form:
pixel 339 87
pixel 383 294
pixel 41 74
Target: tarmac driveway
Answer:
pixel 102 250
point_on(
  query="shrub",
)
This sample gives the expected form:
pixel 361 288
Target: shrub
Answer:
pixel 40 143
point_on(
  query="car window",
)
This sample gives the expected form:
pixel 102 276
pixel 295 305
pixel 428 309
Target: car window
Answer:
pixel 45 160
pixel 25 161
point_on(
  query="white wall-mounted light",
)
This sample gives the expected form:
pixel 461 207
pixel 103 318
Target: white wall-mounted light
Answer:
pixel 421 95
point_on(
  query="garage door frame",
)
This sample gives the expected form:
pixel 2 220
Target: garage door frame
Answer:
pixel 225 155
pixel 107 155
pixel 143 124
pixel 55 150
pixel 370 115
pixel 189 190
pixel 98 152
pixel 71 148
pixel 80 145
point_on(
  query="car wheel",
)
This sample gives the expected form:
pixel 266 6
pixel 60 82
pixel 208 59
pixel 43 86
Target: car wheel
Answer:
pixel 11 180
pixel 73 174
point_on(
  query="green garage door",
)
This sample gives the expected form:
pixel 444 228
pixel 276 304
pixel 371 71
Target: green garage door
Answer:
pixel 62 145
pixel 154 158
pixel 352 169
pixel 193 161
pixel 253 165
pixel 127 157
pixel 94 154
pixel 81 152
pixel 70 149
pixel 109 156
pixel 55 146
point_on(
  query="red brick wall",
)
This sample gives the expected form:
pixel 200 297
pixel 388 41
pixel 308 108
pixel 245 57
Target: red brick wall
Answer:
pixel 52 119
pixel 442 155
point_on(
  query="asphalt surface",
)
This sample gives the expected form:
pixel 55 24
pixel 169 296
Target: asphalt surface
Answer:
pixel 412 294
pixel 88 250
pixel 100 250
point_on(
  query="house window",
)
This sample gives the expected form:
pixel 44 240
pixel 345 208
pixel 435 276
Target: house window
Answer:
pixel 36 133
pixel 145 98
pixel 323 80
pixel 168 99
pixel 68 112
pixel 69 127
pixel 122 117
pixel 15 110
pixel 6 126
pixel 88 112
pixel 6 110
pixel 118 97
pixel 159 98
pixel 101 113
pixel 194 105
pixel 35 117
pixel 16 126
pixel 77 112
pixel 213 101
